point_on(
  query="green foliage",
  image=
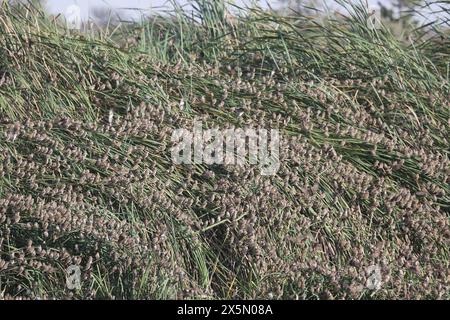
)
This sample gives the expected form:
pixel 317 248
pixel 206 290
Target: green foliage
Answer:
pixel 86 176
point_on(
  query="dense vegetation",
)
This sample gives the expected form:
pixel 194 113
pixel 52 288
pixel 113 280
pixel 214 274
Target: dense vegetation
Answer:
pixel 87 179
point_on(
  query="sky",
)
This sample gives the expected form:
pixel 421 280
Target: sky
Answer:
pixel 59 6
pixel 148 6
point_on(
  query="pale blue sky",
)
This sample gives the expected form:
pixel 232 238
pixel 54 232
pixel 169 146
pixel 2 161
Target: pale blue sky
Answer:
pixel 60 6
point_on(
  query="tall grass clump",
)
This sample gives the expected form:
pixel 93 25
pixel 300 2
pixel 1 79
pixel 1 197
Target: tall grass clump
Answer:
pixel 87 179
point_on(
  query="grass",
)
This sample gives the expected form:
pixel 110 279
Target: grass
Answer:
pixel 87 179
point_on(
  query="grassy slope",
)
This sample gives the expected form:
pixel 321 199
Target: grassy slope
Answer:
pixel 364 176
